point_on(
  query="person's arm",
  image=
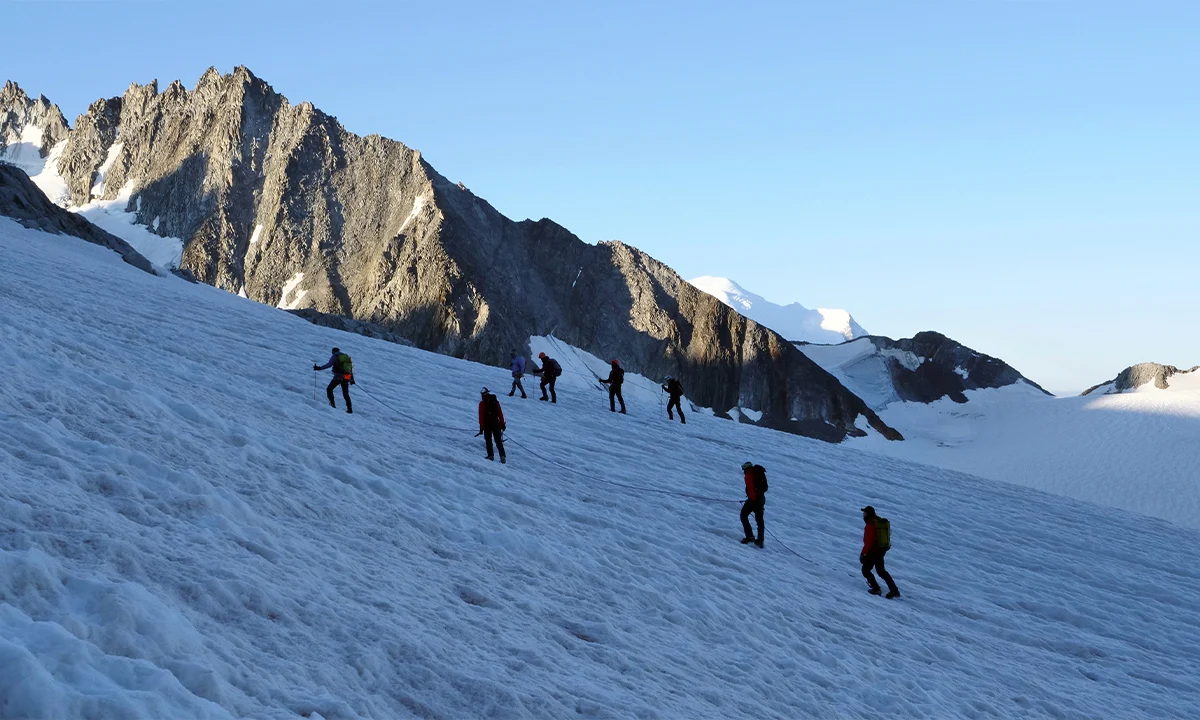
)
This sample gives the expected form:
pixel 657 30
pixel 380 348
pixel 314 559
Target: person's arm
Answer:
pixel 326 366
pixel 500 414
pixel 536 370
pixel 481 417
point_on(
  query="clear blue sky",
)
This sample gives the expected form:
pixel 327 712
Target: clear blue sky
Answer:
pixel 1023 176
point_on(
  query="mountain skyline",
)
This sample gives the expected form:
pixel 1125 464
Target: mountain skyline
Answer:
pixel 26 142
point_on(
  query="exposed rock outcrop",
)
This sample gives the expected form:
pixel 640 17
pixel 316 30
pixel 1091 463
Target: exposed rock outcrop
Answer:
pixel 924 368
pixel 946 369
pixel 266 194
pixel 22 201
pixel 1135 376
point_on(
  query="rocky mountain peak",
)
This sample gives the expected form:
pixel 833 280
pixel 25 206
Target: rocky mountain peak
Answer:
pixel 281 201
pixel 36 122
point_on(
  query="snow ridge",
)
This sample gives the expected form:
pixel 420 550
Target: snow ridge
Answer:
pixel 794 321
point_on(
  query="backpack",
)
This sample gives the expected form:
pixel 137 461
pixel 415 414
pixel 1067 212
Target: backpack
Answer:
pixel 555 368
pixel 343 364
pixel 760 479
pixel 883 534
pixel 491 407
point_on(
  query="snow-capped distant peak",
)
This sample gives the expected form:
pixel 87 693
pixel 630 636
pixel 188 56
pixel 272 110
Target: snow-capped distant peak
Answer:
pixel 794 321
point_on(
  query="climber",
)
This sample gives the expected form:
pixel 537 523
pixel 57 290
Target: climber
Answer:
pixel 343 374
pixel 518 371
pixel 756 489
pixel 550 370
pixel 491 423
pixel 616 377
pixel 877 540
pixel 675 391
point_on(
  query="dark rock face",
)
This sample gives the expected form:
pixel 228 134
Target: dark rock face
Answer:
pixel 264 192
pixel 1138 375
pixel 947 369
pixel 22 201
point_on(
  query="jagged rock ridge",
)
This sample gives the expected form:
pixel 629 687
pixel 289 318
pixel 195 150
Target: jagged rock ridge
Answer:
pixel 266 194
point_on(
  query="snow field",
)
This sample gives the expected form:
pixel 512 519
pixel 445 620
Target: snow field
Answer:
pixel 1130 450
pixel 187 533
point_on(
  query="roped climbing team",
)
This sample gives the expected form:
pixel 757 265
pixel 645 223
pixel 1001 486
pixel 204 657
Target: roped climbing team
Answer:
pixel 877 533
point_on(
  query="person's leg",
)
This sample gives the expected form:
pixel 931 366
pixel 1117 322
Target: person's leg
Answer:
pixel 500 444
pixel 679 407
pixel 670 405
pixel 612 399
pixel 487 439
pixel 513 391
pixel 521 387
pixel 883 573
pixel 553 395
pixel 329 391
pixel 545 384
pixel 622 399
pixel 747 508
pixel 868 563
pixel 758 518
pixel 346 395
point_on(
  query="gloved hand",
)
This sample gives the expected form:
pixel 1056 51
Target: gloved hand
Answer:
pixel 862 559
pixel 478 433
pixel 316 367
pixel 351 379
pixel 503 428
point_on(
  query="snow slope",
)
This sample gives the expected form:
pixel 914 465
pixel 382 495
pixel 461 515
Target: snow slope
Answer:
pixel 1134 450
pixel 794 321
pixel 187 533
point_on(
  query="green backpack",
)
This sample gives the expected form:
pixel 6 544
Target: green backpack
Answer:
pixel 343 365
pixel 883 534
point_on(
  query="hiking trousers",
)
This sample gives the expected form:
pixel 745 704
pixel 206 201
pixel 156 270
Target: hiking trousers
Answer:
pixel 345 383
pixel 548 382
pixel 517 386
pixel 675 404
pixel 753 506
pixel 874 559
pixel 498 435
pixel 614 394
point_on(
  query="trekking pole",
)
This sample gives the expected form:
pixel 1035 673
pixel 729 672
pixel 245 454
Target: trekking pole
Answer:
pixel 314 385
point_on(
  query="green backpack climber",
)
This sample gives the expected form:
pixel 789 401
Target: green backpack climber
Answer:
pixel 883 534
pixel 343 364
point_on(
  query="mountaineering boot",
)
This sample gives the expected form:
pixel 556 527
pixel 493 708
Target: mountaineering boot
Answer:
pixel 332 404
pixel 758 543
pixel 488 457
pixel 892 594
pixel 747 541
pixel 514 392
pixel 349 411
pixel 503 460
pixel 875 591
pixel 622 412
pixel 683 422
pixel 544 399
